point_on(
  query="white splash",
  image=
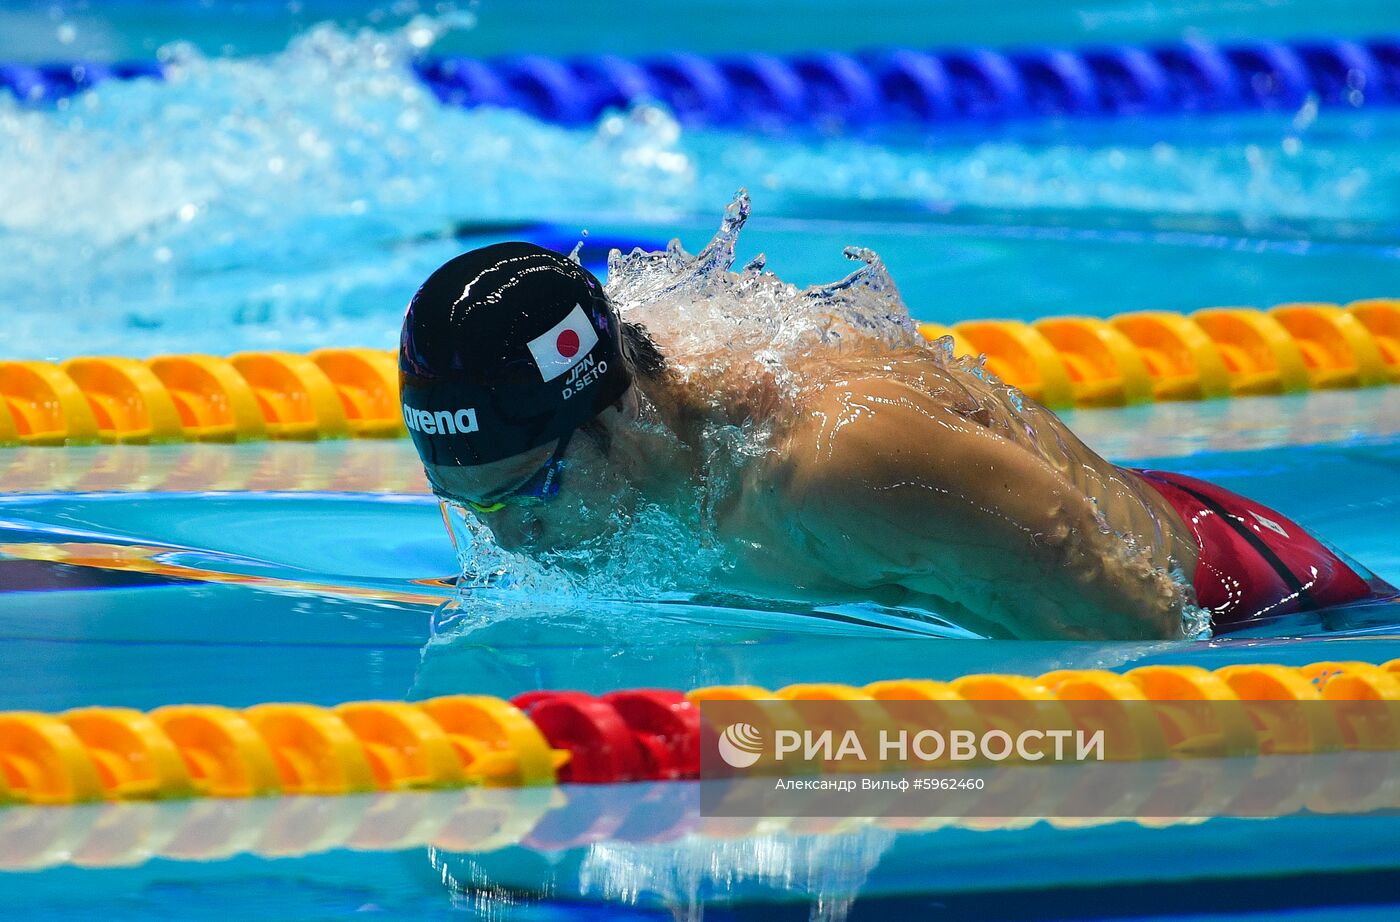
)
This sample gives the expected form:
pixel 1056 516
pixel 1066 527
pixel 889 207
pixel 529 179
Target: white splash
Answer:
pixel 695 303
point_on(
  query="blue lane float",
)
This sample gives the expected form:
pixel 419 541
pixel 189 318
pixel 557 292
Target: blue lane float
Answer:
pixel 757 90
pixel 47 83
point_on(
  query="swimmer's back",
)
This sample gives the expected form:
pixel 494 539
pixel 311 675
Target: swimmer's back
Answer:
pixel 900 477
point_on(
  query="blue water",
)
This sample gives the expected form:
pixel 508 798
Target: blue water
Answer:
pixel 298 197
pixel 344 573
pixel 40 30
pixel 290 186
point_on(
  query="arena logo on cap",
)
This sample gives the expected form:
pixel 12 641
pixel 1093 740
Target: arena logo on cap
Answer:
pixel 564 345
pixel 441 422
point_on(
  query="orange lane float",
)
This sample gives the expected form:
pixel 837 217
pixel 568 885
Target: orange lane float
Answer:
pixel 543 737
pixel 1073 361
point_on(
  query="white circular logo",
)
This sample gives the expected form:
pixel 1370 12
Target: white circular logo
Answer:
pixel 740 745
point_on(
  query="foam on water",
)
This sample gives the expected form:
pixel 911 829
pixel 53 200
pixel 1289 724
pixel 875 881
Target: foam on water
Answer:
pixel 268 196
pixel 296 200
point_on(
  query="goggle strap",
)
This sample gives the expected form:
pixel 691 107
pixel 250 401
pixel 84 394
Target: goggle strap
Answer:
pixel 547 477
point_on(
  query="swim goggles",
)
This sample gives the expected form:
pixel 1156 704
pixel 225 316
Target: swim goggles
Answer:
pixel 542 486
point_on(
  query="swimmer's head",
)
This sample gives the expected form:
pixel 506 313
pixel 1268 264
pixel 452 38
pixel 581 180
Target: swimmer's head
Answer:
pixel 507 351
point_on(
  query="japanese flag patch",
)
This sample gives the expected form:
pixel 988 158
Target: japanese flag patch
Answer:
pixel 564 345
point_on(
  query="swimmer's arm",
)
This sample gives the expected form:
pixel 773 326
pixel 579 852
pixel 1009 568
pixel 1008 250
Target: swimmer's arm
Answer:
pixel 892 486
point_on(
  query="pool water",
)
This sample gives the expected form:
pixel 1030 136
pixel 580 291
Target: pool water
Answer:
pixel 40 30
pixel 304 593
pixel 289 187
pixel 297 198
pixel 254 577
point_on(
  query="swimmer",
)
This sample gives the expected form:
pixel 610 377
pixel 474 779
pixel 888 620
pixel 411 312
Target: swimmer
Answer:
pixel 889 477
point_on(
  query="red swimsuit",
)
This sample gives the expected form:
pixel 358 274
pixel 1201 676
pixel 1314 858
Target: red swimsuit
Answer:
pixel 1253 561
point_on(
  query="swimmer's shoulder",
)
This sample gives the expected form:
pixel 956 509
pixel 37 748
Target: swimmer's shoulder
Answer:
pixel 874 394
pixel 916 372
pixel 863 425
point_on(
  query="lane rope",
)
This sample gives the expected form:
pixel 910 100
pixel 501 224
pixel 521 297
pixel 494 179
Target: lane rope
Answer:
pixel 829 89
pixel 1060 361
pixel 548 737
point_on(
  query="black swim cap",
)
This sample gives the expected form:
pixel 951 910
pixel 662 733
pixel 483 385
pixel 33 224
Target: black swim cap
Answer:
pixel 504 349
